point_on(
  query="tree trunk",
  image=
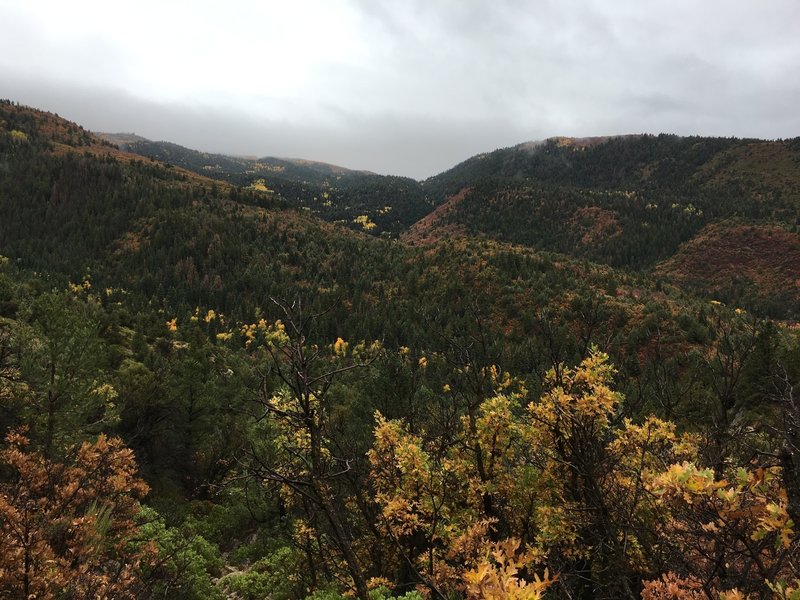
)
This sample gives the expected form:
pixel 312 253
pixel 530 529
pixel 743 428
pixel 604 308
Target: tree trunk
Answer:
pixel 346 547
pixel 790 463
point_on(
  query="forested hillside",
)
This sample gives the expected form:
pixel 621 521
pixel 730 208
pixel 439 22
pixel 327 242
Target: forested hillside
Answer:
pixel 376 204
pixel 627 201
pixel 207 391
pixel 632 201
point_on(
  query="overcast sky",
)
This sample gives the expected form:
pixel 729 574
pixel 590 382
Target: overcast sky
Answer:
pixel 406 87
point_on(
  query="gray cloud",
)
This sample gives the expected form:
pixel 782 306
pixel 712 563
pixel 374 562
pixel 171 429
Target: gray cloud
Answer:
pixel 410 87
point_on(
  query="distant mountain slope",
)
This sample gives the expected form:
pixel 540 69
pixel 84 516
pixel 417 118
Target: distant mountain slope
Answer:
pixel 625 201
pixel 66 195
pixel 742 265
pixel 120 139
pixel 359 199
pixel 431 228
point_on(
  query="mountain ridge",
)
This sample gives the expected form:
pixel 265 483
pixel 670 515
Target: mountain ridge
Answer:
pixel 631 201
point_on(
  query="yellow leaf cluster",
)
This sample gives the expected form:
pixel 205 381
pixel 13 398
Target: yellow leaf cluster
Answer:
pixel 365 222
pixel 340 347
pixel 497 575
pixel 274 334
pixel 18 136
pixel 580 395
pixel 77 288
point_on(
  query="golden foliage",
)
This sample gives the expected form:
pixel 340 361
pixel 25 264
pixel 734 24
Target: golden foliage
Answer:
pixel 570 481
pixel 19 136
pixel 365 222
pixel 340 347
pixel 497 576
pixel 672 587
pixel 65 528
